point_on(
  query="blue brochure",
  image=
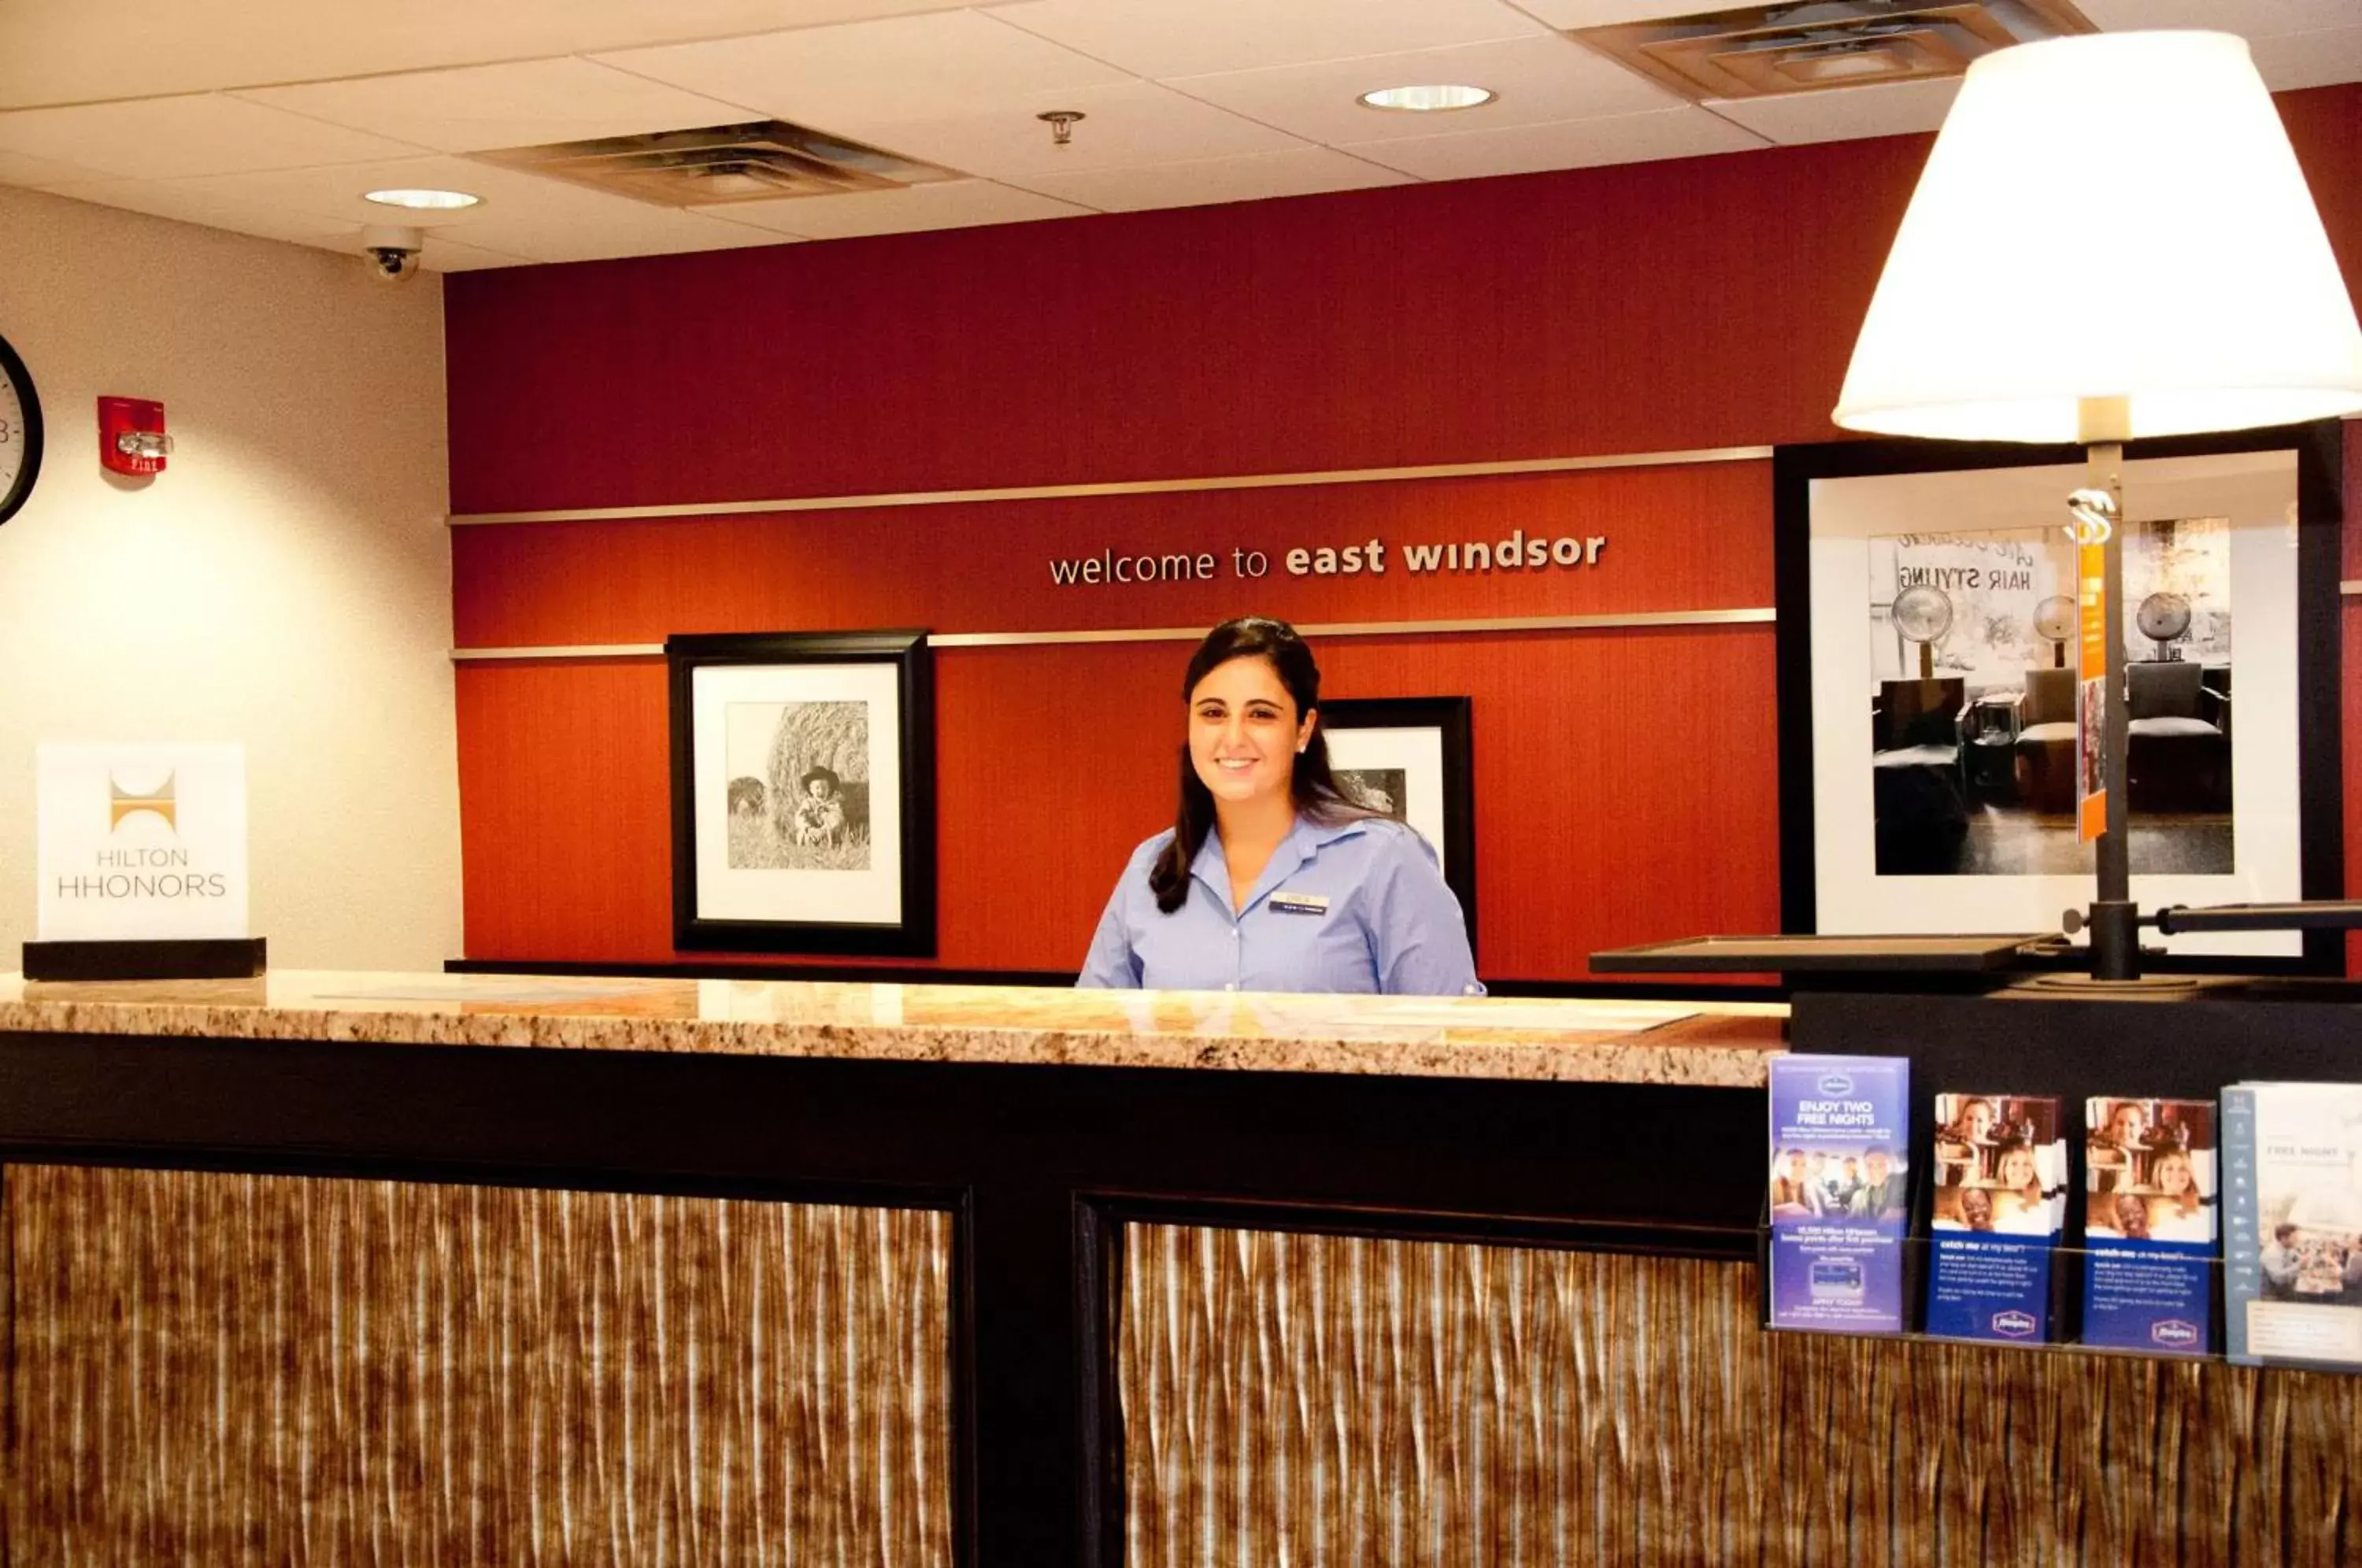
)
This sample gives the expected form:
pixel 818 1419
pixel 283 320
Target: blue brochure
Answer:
pixel 2148 1225
pixel 1840 1128
pixel 1999 1199
pixel 1990 1287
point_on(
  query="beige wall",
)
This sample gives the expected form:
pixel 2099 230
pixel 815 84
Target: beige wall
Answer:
pixel 286 583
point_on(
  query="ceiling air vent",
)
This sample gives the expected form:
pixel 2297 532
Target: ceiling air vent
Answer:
pixel 1764 52
pixel 758 162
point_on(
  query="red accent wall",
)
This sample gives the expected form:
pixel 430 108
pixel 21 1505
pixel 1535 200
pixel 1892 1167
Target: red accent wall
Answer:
pixel 1625 779
pixel 1679 538
pixel 1624 309
pixel 1051 766
pixel 1612 767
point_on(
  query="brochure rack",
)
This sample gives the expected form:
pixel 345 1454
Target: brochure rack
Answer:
pixel 2060 1329
pixel 2075 1049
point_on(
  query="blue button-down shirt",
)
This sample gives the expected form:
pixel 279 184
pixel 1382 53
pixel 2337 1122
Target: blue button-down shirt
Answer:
pixel 1352 906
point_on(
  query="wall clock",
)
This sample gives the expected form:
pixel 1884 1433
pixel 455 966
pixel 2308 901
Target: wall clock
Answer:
pixel 20 433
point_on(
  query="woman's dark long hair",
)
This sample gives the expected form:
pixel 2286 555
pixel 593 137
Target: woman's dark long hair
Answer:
pixel 1313 786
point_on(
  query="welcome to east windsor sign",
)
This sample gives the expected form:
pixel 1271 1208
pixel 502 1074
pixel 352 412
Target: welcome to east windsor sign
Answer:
pixel 1372 557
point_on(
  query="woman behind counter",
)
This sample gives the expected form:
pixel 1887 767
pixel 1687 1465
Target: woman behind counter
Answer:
pixel 1271 878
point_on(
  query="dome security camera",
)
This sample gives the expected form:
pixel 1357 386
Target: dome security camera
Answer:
pixel 392 251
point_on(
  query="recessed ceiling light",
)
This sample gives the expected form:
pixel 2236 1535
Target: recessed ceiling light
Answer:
pixel 424 201
pixel 1429 99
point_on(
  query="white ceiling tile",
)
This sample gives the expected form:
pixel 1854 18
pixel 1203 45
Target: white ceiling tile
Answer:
pixel 336 191
pixel 636 229
pixel 1839 113
pixel 321 111
pixel 1303 173
pixel 441 255
pixel 955 204
pixel 1193 38
pixel 169 138
pixel 523 214
pixel 1538 81
pixel 1570 14
pixel 2248 19
pixel 42 173
pixel 1579 144
pixel 844 78
pixel 1124 126
pixel 525 103
pixel 164 199
pixel 74 52
pixel 2292 60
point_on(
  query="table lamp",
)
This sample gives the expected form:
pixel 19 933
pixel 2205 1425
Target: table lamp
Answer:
pixel 2135 198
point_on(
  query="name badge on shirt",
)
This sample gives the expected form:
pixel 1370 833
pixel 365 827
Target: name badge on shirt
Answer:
pixel 1300 903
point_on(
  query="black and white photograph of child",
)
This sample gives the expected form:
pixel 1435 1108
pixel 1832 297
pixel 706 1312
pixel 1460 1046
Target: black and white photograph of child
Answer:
pixel 1385 791
pixel 798 793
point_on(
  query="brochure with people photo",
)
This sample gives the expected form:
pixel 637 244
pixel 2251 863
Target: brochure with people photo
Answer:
pixel 2000 1185
pixel 1840 1191
pixel 2149 1223
pixel 2293 1285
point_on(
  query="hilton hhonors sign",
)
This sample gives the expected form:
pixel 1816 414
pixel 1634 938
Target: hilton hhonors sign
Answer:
pixel 142 842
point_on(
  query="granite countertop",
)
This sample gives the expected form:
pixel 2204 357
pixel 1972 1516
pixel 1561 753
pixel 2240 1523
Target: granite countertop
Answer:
pixel 1596 1041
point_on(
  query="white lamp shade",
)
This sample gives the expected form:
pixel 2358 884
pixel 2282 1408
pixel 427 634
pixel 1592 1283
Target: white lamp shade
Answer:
pixel 2112 216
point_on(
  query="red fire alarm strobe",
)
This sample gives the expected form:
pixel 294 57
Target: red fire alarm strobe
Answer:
pixel 131 439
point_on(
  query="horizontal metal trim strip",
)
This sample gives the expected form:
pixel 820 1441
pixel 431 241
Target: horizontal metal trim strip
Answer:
pixel 1125 487
pixel 576 650
pixel 1191 634
pixel 1546 623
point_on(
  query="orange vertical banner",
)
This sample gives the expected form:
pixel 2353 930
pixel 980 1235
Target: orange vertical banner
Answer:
pixel 2090 707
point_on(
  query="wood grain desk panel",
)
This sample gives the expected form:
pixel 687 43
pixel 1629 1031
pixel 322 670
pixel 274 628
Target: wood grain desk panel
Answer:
pixel 1306 1398
pixel 233 1369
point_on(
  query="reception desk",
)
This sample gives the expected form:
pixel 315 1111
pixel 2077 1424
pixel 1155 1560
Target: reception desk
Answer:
pixel 337 1268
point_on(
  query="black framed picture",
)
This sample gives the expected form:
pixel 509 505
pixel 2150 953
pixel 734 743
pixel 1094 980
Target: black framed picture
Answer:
pixel 1929 700
pixel 1409 758
pixel 803 792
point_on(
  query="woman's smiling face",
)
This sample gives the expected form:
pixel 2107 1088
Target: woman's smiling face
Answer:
pixel 1245 731
pixel 2017 1168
